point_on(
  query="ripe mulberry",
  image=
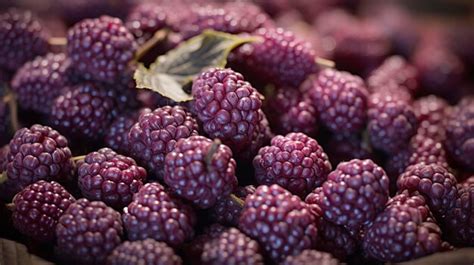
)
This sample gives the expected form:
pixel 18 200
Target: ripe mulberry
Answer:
pixel 311 256
pixel 432 112
pixel 460 134
pixel 459 221
pixel 144 252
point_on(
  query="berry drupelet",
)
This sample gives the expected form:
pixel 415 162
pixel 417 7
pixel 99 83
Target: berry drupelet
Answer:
pixel 38 207
pixel 341 101
pixel 143 252
pixel 88 232
pixel 311 256
pixel 296 162
pixel 271 210
pixel 227 210
pixel 154 213
pixel 460 134
pixel 432 112
pixel 459 221
pixel 155 134
pixel 100 47
pixel 200 170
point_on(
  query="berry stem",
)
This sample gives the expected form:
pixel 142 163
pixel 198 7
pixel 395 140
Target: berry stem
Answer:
pixel 236 199
pixel 159 36
pixel 211 152
pixel 325 63
pixel 78 158
pixel 57 41
pixel 11 101
pixel 3 177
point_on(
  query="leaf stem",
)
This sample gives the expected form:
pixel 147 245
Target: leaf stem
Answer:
pixel 236 199
pixel 159 36
pixel 325 63
pixel 78 158
pixel 11 101
pixel 210 153
pixel 57 41
pixel 3 177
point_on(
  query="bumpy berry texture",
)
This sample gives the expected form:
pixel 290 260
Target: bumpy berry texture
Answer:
pixel 195 248
pixel 261 136
pixel 281 58
pixel 156 133
pixel 100 47
pixel 272 209
pixel 84 111
pixel 38 153
pixel 37 83
pixel 296 162
pixel 460 134
pixel 232 247
pixel 341 101
pixel 88 232
pixel 109 177
pixel 227 210
pixel 354 193
pixel 341 148
pixel 391 122
pixel 432 112
pixel 311 256
pixel 144 252
pixel 200 170
pixel 228 107
pixel 434 182
pixel 154 213
pixel 145 19
pixel 405 230
pixel 459 221
pixel 22 38
pixel 38 207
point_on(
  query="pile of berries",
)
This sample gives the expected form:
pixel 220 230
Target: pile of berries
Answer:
pixel 280 157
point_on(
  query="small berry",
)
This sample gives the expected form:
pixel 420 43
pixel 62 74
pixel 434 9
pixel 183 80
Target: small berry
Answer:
pixel 227 210
pixel 143 252
pixel 432 112
pixel 459 221
pixel 460 134
pixel 311 256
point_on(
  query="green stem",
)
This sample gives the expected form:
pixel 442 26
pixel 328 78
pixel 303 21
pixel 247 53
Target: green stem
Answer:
pixel 236 199
pixel 159 36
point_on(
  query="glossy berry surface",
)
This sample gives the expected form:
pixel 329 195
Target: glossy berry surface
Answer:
pixel 144 252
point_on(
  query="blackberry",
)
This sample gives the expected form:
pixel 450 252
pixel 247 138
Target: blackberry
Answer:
pixel 460 134
pixel 109 177
pixel 88 232
pixel 354 193
pixel 342 147
pixel 200 170
pixel 395 69
pixel 145 252
pixel 228 107
pixel 405 230
pixel 231 247
pixel 145 19
pixel 311 256
pixel 22 38
pixel 38 153
pixel 195 248
pixel 391 122
pixel 226 210
pixel 459 221
pixel 116 136
pixel 84 111
pixel 38 207
pixel 280 58
pixel 100 47
pixel 37 83
pixel 271 210
pixel 295 162
pixel 341 101
pixel 431 113
pixel 434 182
pixel 154 213
pixel 155 134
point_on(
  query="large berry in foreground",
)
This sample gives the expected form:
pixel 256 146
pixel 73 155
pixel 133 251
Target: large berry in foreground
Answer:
pixel 227 210
pixel 22 38
pixel 232 247
pixel 156 133
pixel 200 170
pixel 271 210
pixel 354 193
pixel 311 256
pixel 459 221
pixel 110 177
pixel 460 134
pixel 143 252
pixel 38 207
pixel 153 213
pixel 100 47
pixel 88 232
pixel 296 162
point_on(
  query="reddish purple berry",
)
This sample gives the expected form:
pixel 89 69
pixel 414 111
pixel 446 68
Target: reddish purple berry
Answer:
pixel 432 112
pixel 460 134
pixel 145 19
pixel 459 221
pixel 227 210
pixel 394 69
pixel 311 256
pixel 143 252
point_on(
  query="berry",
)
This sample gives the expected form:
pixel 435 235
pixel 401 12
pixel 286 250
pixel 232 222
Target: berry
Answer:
pixel 261 136
pixel 342 147
pixel 226 210
pixel 200 170
pixel 22 38
pixel 280 58
pixel 156 133
pixel 271 210
pixel 109 177
pixel 431 113
pixel 459 221
pixel 144 252
pixel 228 107
pixel 354 193
pixel 341 101
pixel 88 232
pixel 195 248
pixel 391 122
pixel 37 208
pixel 311 256
pixel 74 11
pixel 145 19
pixel 154 213
pixel 434 182
pixel 295 162
pixel 37 83
pixel 38 153
pixel 100 47
pixel 460 134
pixel 467 182
pixel 405 230
pixel 231 247
pixel 85 111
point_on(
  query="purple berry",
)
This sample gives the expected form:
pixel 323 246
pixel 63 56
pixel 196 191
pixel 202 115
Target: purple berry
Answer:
pixel 460 134
pixel 145 19
pixel 144 252
pixel 311 256
pixel 227 210
pixel 195 248
pixel 431 113
pixel 459 221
